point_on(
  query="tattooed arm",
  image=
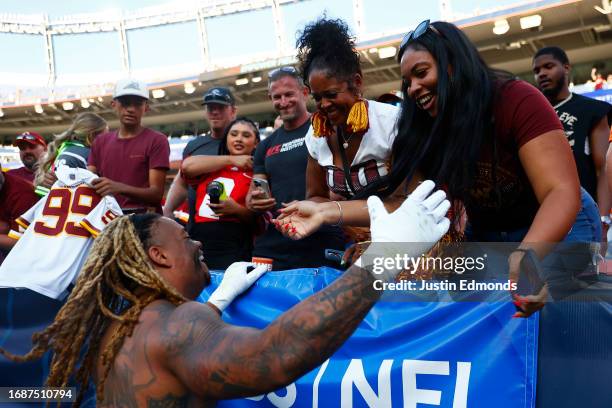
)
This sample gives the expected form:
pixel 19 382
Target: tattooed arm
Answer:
pixel 217 361
pixel 220 361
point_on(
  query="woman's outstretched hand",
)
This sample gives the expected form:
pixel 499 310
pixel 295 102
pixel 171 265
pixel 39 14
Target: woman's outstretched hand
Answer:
pixel 299 219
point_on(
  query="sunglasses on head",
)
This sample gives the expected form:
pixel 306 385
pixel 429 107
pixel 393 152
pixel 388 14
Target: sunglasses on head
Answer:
pixel 415 34
pixel 285 70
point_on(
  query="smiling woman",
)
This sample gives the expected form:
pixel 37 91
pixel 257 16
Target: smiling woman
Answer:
pixel 494 142
pixel 221 215
pixel 350 139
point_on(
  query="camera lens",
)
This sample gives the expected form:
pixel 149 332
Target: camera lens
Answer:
pixel 214 191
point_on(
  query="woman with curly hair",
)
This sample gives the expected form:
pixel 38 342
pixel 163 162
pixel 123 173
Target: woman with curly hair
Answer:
pixel 351 137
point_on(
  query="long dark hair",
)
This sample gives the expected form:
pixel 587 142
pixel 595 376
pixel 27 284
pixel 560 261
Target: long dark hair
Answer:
pixel 447 147
pixel 223 150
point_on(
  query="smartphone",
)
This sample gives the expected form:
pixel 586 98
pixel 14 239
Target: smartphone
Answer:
pixel 531 276
pixel 263 184
pixel 334 255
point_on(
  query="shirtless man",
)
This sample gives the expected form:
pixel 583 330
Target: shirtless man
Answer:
pixel 163 349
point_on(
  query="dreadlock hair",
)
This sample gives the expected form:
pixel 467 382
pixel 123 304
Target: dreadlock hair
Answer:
pixel 116 283
pixel 326 45
pixel 223 150
pixel 84 129
pixel 447 147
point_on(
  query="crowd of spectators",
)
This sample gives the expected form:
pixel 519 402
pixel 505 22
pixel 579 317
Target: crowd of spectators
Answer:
pixel 311 175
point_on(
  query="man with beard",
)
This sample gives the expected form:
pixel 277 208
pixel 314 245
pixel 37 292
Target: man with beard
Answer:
pixel 132 161
pixel 586 123
pixel 31 147
pixel 281 160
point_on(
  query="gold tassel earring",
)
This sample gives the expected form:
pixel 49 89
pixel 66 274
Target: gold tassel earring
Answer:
pixel 357 120
pixel 320 125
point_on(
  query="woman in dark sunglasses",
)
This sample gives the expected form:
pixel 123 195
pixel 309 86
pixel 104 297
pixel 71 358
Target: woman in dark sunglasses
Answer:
pixel 493 142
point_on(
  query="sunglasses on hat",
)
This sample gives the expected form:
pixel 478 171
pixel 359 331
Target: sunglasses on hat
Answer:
pixel 26 137
pixel 30 138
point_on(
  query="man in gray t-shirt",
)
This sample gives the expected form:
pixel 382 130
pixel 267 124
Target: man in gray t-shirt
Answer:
pixel 281 159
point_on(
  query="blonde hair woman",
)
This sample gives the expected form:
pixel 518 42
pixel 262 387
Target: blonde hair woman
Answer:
pixel 70 148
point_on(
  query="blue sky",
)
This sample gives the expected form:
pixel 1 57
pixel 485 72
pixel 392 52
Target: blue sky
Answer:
pixel 229 36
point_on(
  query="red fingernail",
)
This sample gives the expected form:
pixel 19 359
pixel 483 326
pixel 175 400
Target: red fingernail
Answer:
pixel 516 315
pixel 517 303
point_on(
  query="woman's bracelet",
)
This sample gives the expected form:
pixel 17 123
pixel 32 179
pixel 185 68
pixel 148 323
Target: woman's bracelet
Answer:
pixel 339 223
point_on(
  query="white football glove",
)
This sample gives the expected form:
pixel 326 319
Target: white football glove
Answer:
pixel 235 281
pixel 410 230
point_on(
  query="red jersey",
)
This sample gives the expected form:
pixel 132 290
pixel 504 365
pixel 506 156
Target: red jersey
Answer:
pixel 236 184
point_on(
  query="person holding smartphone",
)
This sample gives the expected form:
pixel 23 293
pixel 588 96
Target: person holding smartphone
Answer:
pixel 221 217
pixel 280 164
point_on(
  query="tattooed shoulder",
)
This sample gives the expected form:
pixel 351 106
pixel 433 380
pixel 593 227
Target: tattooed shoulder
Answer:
pixel 186 326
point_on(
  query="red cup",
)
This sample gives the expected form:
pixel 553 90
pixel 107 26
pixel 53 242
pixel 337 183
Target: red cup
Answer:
pixel 263 261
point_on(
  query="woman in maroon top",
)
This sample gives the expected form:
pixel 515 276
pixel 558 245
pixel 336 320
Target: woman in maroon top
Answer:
pixel 492 141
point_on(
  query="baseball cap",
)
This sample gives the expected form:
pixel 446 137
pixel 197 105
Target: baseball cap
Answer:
pixel 32 138
pixel 220 95
pixel 131 87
